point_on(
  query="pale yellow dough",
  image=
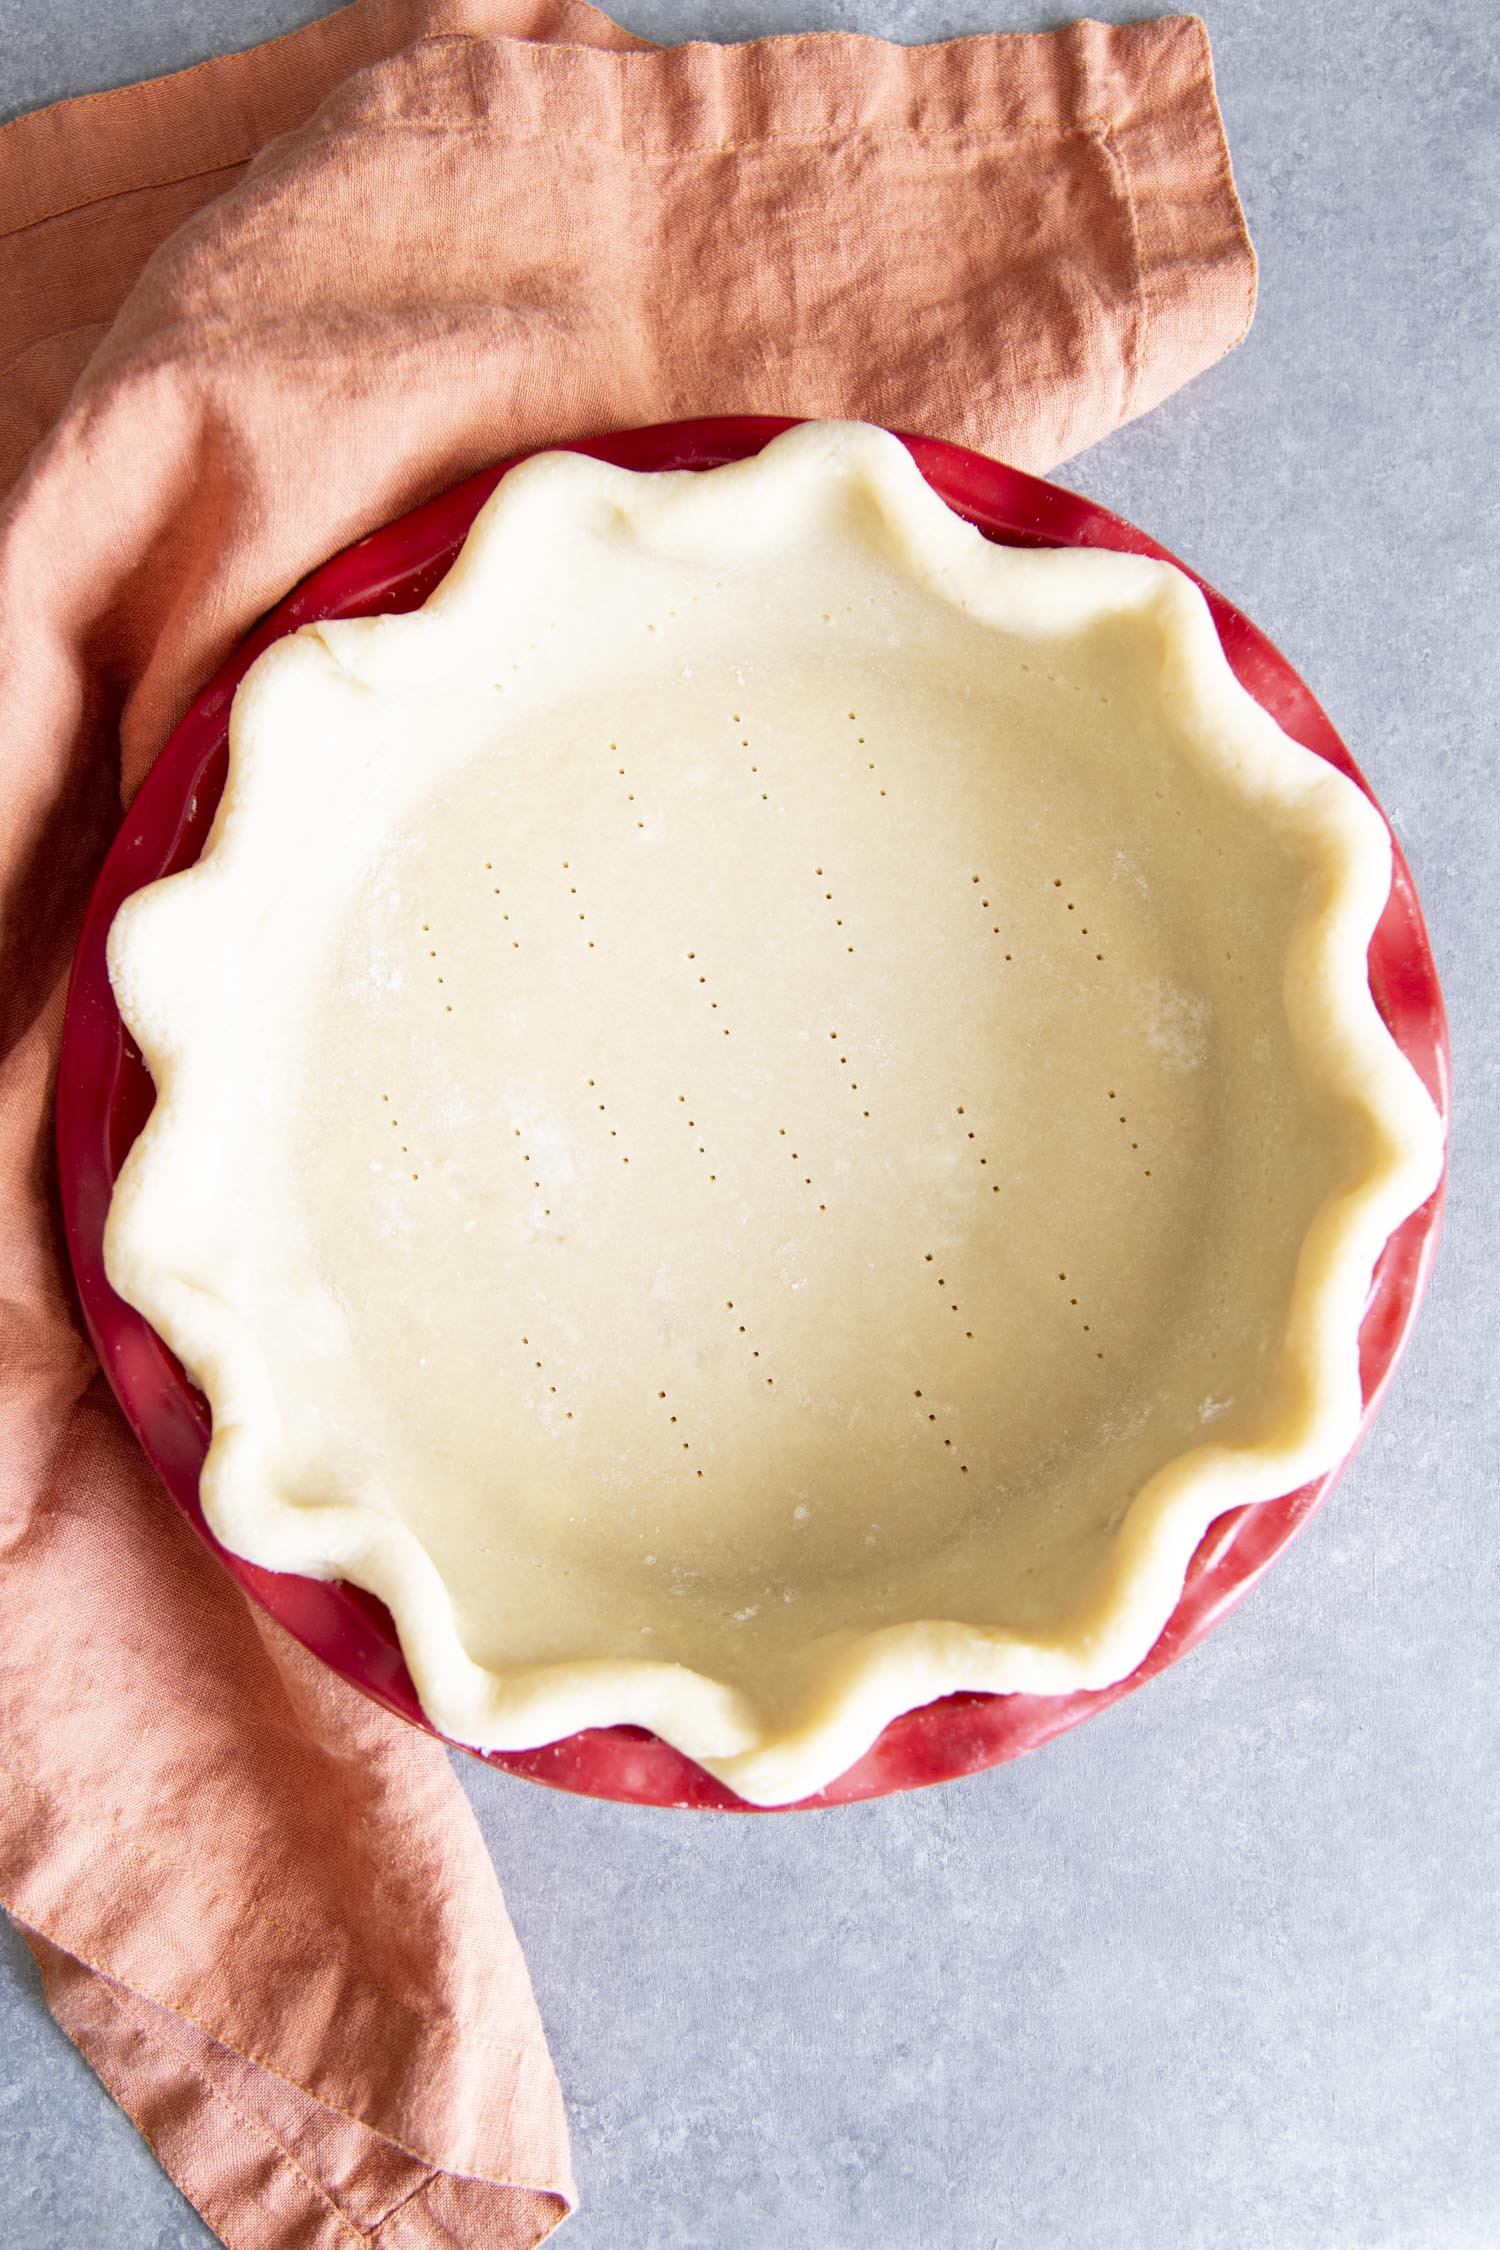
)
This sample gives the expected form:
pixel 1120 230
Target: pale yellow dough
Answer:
pixel 764 1109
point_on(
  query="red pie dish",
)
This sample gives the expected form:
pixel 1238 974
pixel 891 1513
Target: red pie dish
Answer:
pixel 105 1096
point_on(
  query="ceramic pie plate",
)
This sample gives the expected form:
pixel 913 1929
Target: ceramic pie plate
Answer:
pixel 845 1214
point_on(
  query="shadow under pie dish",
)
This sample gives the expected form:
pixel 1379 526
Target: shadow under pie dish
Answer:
pixel 763 1110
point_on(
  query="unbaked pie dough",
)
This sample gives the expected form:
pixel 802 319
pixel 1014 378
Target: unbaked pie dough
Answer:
pixel 763 1109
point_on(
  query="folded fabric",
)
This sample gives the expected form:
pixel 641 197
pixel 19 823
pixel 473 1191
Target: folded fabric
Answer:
pixel 247 314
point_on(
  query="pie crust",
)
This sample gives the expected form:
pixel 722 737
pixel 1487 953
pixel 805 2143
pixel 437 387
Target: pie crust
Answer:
pixel 763 1110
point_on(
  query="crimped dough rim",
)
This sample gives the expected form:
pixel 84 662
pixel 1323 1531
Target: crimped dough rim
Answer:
pixel 1346 1051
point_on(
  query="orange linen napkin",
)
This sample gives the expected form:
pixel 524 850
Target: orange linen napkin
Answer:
pixel 247 314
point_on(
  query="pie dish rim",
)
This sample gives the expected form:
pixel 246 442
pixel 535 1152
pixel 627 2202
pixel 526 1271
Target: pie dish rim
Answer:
pixel 352 583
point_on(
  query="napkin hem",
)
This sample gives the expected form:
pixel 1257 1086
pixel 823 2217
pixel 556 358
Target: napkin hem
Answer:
pixel 69 1999
pixel 315 1982
pixel 297 2212
pixel 120 135
pixel 1192 235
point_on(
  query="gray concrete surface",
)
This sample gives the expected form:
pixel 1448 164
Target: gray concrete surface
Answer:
pixel 1219 1971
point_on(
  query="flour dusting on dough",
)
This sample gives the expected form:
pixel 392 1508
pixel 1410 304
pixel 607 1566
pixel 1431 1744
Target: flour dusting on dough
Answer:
pixel 1175 1025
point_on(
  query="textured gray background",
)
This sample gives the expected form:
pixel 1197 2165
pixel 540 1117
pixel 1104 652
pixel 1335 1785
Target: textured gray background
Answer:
pixel 1218 1971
